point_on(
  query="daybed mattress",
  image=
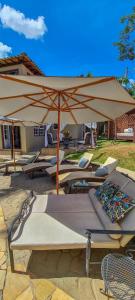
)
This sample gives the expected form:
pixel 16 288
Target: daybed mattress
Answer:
pixel 125 134
pixel 60 222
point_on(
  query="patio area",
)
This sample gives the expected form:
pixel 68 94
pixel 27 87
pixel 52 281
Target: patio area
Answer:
pixel 48 275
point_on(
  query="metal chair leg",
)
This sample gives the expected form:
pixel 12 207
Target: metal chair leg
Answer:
pixel 11 255
pixel 88 254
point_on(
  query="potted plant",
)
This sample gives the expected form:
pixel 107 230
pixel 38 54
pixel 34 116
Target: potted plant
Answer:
pixel 66 138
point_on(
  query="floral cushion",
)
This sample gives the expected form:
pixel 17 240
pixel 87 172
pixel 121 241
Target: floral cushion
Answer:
pixel 115 202
pixel 118 206
pixel 106 191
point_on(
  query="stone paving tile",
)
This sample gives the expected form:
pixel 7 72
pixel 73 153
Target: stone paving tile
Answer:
pixel 1 295
pixel 43 288
pixel 78 288
pixel 26 295
pixel 97 284
pixel 2 278
pixel 60 295
pixel 3 227
pixel 3 244
pixel 15 284
pixel 1 212
pixel 3 261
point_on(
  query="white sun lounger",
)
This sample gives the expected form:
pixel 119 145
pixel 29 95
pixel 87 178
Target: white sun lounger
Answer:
pixel 23 161
pixel 69 178
pixel 72 167
pixel 33 167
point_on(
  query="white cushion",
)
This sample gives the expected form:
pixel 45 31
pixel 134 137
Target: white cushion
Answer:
pixel 126 130
pixel 130 129
pixel 66 231
pixel 110 164
pixel 101 171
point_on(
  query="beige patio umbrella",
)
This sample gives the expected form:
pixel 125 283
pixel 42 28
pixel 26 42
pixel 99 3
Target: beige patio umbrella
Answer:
pixel 63 99
pixel 15 122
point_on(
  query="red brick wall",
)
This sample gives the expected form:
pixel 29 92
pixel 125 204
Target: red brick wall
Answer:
pixel 125 121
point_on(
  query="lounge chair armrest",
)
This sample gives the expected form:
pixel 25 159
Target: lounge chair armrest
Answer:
pixel 24 211
pixel 109 231
pixel 70 162
pixel 94 166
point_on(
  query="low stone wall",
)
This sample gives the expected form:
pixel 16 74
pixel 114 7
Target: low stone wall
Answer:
pixel 52 151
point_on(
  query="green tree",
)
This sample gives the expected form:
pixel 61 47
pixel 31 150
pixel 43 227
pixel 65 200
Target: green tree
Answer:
pixel 128 84
pixel 89 74
pixel 126 44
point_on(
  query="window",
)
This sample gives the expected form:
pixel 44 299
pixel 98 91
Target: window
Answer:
pixel 12 72
pixel 39 131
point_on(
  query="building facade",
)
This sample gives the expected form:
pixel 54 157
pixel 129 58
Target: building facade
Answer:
pixel 26 139
pixel 109 129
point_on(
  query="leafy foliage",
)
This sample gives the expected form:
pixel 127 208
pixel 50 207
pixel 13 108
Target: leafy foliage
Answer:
pixel 128 84
pixel 89 74
pixel 126 44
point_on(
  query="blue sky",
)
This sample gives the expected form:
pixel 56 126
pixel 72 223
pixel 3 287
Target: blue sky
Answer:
pixel 79 36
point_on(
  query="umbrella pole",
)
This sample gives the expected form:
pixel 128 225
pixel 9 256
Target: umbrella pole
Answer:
pixel 13 146
pixel 12 155
pixel 58 147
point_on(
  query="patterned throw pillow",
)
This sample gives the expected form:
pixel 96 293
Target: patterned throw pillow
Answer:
pixel 118 206
pixel 106 191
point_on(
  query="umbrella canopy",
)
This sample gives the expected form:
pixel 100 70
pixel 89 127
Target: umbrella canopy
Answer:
pixel 63 99
pixel 35 98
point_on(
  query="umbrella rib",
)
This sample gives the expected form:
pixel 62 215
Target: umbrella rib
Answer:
pixel 19 96
pixel 17 110
pixel 69 97
pixel 45 116
pixel 50 98
pixel 72 115
pixel 25 82
pixel 90 83
pixel 90 108
pixel 26 106
pixel 39 101
pixel 47 107
pixel 91 97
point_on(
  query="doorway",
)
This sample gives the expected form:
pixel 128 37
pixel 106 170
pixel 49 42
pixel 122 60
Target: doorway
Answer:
pixel 7 137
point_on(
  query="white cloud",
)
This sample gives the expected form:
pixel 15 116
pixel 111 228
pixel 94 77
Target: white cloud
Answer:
pixel 32 29
pixel 4 50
